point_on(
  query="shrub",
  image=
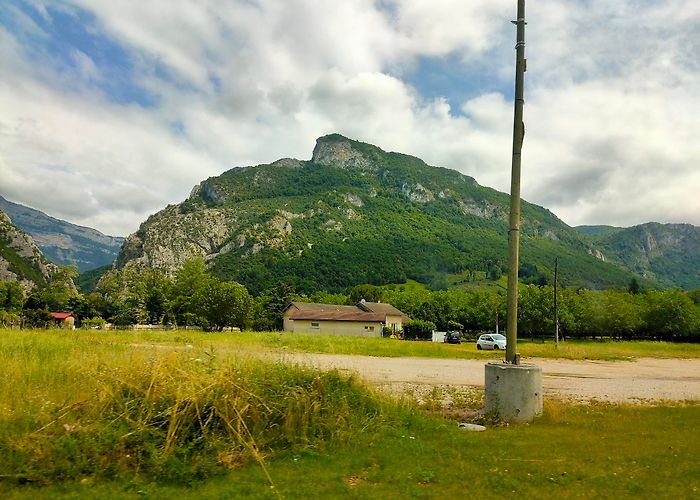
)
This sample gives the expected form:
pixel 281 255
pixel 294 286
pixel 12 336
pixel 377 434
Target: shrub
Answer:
pixel 418 329
pixel 95 322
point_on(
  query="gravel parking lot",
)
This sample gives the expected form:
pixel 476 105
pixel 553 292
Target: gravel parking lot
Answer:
pixel 644 379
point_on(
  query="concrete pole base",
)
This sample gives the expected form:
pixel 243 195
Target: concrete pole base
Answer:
pixel 513 393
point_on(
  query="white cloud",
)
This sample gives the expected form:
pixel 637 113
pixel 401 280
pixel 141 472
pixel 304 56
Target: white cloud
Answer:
pixel 612 94
pixel 85 65
pixel 439 28
pixel 78 155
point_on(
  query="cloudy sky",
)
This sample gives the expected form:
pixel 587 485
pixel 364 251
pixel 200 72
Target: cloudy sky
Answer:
pixel 111 109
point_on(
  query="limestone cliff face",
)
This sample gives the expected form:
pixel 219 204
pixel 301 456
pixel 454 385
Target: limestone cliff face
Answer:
pixel 169 238
pixel 21 260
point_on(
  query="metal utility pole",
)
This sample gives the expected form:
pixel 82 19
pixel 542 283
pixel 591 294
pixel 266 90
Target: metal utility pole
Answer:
pixel 514 221
pixel 556 310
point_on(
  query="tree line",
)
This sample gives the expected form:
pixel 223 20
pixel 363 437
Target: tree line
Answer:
pixel 618 314
pixel 193 297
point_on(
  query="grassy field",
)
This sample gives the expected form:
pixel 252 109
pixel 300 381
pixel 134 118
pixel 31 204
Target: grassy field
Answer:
pixel 280 341
pixel 198 416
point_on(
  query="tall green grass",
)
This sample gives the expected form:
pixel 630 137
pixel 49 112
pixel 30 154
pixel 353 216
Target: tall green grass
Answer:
pixel 163 415
pixel 333 344
pixel 71 407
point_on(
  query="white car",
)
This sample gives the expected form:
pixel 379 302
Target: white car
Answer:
pixel 491 341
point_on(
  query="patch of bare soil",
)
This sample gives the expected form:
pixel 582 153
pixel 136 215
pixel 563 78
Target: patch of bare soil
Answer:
pixel 644 379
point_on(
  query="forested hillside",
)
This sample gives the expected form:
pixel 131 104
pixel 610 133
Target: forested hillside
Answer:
pixel 356 214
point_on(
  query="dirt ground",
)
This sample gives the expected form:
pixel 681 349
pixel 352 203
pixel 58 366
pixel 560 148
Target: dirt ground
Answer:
pixel 645 379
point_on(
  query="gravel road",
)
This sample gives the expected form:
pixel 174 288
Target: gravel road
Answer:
pixel 644 379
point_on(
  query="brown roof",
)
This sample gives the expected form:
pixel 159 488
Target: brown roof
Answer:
pixel 372 311
pixel 355 315
pixel 380 307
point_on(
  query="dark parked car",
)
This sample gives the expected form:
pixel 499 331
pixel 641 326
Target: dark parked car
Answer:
pixel 452 338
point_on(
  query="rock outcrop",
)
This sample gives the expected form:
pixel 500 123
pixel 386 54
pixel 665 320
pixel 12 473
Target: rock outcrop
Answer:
pixel 21 260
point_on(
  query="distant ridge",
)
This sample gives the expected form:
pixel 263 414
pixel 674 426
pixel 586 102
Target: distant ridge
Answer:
pixel 666 253
pixel 62 242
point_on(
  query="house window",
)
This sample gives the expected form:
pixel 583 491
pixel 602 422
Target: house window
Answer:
pixel 369 328
pixel 315 325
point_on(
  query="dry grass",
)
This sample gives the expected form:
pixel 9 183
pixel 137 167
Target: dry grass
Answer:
pixel 74 405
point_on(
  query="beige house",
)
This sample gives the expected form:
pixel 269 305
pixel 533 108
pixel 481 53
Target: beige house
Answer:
pixel 366 319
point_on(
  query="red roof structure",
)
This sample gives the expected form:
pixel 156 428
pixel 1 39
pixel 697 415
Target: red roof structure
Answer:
pixel 56 315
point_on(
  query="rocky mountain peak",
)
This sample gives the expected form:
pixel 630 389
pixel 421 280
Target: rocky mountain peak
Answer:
pixel 338 151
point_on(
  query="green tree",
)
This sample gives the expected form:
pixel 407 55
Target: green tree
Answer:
pixel 125 293
pixel 80 307
pixel 370 293
pixel 622 314
pixel 156 301
pixel 270 305
pixel 224 305
pixel 494 271
pixel 671 314
pixel 186 291
pixel 323 297
pixel 436 310
pixel 11 296
pixel 591 314
pixel 454 325
pixel 123 313
pixel 536 310
pixel 36 318
pixel 409 298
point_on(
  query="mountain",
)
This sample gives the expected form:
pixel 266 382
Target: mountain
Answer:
pixel 62 242
pixel 666 253
pixel 356 214
pixel 87 281
pixel 20 259
pixel 597 231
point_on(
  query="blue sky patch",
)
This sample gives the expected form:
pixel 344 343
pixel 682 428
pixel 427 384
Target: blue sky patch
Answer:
pixel 66 31
pixel 456 81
